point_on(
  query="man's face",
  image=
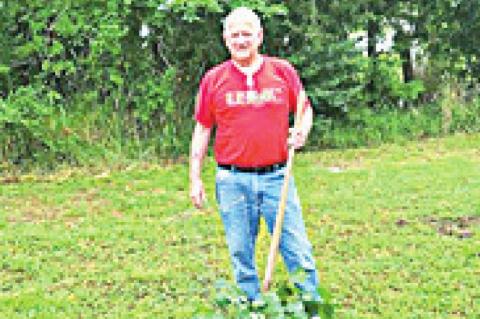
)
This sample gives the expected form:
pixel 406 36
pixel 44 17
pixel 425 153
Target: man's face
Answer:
pixel 242 40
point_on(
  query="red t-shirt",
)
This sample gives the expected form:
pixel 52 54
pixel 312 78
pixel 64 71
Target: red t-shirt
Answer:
pixel 252 122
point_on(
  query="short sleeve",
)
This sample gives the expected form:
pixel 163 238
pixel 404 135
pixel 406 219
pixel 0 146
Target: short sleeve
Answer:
pixel 295 85
pixel 203 106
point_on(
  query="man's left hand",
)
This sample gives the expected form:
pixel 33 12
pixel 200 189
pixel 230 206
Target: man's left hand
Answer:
pixel 297 138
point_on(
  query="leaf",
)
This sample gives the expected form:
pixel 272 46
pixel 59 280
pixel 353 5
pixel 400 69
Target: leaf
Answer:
pixel 65 26
pixel 116 78
pixel 4 69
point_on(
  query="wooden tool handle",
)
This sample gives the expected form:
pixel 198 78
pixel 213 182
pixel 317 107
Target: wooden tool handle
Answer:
pixel 277 232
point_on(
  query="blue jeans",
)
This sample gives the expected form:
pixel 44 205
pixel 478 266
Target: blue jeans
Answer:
pixel 242 199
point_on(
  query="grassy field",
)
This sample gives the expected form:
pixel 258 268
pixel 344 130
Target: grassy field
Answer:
pixel 395 229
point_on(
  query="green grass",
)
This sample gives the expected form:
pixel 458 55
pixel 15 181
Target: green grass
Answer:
pixel 388 225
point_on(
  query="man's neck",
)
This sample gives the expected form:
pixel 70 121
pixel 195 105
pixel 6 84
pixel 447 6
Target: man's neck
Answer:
pixel 250 61
pixel 250 69
pixel 252 66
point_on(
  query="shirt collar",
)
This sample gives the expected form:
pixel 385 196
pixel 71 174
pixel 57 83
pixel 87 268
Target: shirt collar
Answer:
pixel 252 69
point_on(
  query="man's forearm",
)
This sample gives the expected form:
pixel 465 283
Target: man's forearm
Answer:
pixel 196 161
pixel 307 122
pixel 199 147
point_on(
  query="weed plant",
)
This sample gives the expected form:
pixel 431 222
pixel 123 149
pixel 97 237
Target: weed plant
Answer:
pixel 285 301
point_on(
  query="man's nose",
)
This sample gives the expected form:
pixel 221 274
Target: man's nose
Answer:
pixel 243 39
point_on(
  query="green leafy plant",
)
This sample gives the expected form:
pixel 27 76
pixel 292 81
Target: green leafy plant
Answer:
pixel 286 301
pixel 390 87
pixel 32 119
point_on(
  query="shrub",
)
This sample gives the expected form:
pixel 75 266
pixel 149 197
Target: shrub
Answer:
pixel 367 127
pixel 465 117
pixel 33 122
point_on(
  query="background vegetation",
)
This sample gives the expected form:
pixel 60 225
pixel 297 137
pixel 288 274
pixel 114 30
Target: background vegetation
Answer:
pixel 88 81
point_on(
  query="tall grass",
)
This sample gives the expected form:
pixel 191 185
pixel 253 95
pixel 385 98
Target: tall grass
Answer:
pixel 45 135
pixel 370 127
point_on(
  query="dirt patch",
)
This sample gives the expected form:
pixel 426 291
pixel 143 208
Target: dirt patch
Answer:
pixel 9 180
pixel 85 196
pixel 34 216
pixel 460 227
pixel 34 210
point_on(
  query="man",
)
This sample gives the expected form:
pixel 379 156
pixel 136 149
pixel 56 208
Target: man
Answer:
pixel 249 98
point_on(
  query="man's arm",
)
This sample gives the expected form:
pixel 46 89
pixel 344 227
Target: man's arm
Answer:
pixel 199 147
pixel 300 137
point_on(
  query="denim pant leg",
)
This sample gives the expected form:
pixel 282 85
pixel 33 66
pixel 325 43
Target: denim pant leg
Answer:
pixel 240 221
pixel 295 247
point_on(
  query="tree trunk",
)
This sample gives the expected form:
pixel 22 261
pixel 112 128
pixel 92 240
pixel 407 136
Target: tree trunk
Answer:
pixel 372 30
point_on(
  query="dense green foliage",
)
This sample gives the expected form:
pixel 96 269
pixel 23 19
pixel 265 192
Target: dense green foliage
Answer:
pixel 395 232
pixel 286 302
pixel 87 80
pixel 370 127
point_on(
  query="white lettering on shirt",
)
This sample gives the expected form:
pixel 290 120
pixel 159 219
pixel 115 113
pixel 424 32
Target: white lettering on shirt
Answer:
pixel 251 97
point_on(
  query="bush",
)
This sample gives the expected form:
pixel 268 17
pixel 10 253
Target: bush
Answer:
pixel 368 127
pixel 465 117
pixel 390 88
pixel 365 126
pixel 34 127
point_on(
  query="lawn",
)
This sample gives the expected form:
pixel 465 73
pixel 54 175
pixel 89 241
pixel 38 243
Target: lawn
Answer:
pixel 395 229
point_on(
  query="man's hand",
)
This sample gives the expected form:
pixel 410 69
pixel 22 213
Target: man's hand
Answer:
pixel 297 138
pixel 197 193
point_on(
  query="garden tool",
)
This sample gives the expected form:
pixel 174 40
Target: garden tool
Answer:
pixel 277 232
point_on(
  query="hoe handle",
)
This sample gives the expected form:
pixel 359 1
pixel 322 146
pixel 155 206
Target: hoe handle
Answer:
pixel 277 232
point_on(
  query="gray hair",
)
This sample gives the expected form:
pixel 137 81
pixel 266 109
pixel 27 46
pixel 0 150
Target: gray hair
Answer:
pixel 244 13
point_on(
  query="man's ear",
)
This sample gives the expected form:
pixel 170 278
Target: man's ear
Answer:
pixel 224 36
